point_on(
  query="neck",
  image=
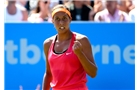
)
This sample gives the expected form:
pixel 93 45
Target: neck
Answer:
pixel 43 15
pixel 112 12
pixel 64 36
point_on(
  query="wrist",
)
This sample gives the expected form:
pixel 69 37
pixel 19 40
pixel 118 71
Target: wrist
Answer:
pixel 80 54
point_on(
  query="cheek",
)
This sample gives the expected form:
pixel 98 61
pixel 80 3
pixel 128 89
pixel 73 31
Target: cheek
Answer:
pixel 56 24
pixel 68 24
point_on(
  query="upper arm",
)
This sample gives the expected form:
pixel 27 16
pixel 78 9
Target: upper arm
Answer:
pixel 87 49
pixel 25 15
pixel 91 13
pixel 24 12
pixel 46 45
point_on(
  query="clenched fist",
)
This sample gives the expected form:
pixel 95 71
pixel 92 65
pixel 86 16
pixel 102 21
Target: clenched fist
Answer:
pixel 77 47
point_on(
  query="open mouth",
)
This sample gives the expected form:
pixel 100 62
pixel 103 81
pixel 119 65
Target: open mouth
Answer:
pixel 62 28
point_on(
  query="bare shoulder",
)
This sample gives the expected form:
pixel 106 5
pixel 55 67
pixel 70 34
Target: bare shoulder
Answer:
pixel 22 8
pixel 48 41
pixel 81 37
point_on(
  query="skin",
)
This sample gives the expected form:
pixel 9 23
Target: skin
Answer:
pixel 111 6
pixel 126 5
pixel 98 6
pixel 44 9
pixel 12 9
pixel 81 47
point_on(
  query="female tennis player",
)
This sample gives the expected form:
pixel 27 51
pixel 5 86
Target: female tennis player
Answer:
pixel 68 55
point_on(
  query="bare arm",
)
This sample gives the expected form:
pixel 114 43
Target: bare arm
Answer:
pixel 47 76
pixel 82 48
pixel 25 15
pixel 91 13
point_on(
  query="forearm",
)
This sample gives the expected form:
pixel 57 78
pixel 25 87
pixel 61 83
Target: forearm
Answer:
pixel 88 66
pixel 46 82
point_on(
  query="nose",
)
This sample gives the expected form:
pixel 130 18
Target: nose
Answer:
pixel 61 22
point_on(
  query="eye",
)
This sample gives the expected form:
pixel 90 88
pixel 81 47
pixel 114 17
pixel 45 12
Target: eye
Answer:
pixel 57 19
pixel 64 18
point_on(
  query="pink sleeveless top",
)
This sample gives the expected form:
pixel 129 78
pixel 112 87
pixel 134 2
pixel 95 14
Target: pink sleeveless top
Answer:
pixel 67 71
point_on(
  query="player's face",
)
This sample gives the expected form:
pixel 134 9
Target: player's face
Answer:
pixel 61 21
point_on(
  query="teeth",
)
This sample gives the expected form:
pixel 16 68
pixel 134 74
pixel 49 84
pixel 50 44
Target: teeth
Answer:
pixel 61 27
